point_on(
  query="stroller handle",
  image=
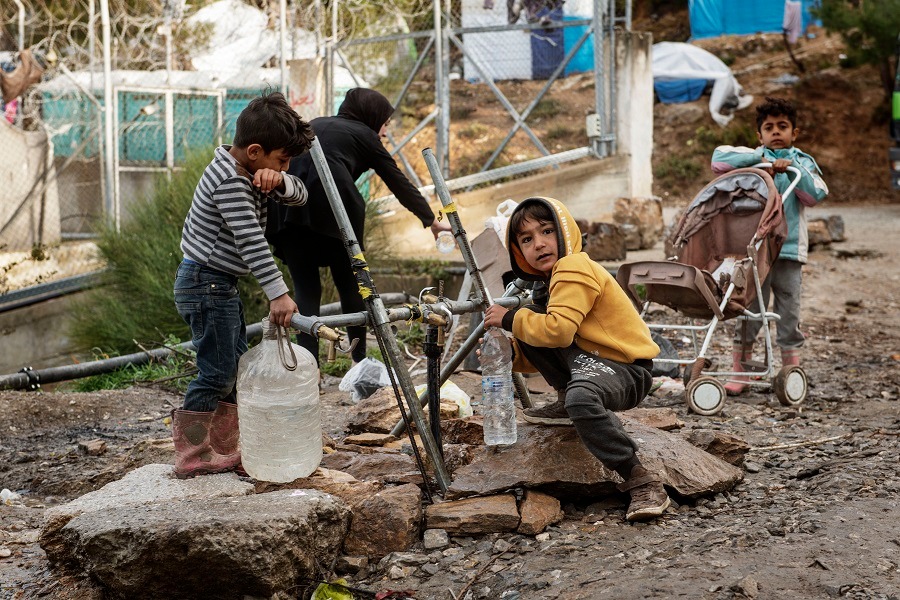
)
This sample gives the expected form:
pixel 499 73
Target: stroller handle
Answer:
pixel 794 182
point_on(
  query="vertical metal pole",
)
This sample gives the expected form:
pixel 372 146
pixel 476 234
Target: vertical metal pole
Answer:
pixel 220 116
pixel 167 32
pixel 613 58
pixel 92 38
pixel 599 75
pixel 21 42
pixel 441 132
pixel 21 39
pixel 330 53
pixel 378 315
pixel 170 131
pixel 440 188
pixel 627 15
pixel 112 201
pixel 102 150
pixel 282 58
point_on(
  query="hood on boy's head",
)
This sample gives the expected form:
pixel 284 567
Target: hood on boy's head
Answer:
pixel 366 106
pixel 568 237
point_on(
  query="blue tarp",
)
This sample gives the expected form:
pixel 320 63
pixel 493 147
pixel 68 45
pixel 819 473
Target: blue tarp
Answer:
pixel 711 18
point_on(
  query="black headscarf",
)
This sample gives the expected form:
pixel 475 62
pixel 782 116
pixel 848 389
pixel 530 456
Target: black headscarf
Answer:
pixel 366 106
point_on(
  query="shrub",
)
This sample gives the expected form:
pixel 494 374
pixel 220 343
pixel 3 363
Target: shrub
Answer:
pixel 472 131
pixel 560 132
pixel 676 169
pixel 736 134
pixel 135 300
pixel 548 107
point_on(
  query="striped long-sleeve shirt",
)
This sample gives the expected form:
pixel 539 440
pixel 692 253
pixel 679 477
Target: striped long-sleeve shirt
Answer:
pixel 224 228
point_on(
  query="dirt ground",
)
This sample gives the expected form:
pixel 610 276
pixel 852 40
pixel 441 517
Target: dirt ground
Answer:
pixel 814 518
pixel 816 514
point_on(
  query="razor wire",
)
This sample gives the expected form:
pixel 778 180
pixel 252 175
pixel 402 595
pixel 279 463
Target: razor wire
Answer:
pixel 434 70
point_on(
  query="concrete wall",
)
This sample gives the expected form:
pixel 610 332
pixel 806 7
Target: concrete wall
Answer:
pixel 634 109
pixel 36 335
pixel 589 188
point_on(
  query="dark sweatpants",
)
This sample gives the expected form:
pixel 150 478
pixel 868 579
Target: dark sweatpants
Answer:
pixel 595 387
pixel 303 255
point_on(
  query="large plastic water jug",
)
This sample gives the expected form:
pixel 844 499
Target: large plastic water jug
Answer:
pixel 278 409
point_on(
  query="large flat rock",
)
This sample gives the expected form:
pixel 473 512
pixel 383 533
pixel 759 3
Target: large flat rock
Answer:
pixel 145 485
pixel 223 548
pixel 553 459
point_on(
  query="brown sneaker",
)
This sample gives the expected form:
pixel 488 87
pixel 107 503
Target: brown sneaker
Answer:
pixel 648 497
pixel 550 414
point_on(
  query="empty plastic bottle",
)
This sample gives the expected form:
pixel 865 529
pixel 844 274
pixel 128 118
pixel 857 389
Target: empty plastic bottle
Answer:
pixel 445 242
pixel 278 409
pixel 497 404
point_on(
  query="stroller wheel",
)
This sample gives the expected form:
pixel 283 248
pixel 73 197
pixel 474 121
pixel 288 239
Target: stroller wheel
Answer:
pixel 701 364
pixel 791 385
pixel 705 395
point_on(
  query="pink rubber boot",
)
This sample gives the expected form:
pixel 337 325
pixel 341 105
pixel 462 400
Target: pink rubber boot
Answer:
pixel 224 436
pixel 739 385
pixel 193 452
pixel 790 357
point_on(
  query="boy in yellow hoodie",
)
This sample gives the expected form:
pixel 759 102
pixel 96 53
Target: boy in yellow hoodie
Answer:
pixel 585 337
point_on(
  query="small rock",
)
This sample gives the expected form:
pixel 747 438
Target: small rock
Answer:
pixel 435 539
pixel 5 552
pixel 351 564
pixel 95 447
pixel 747 586
pixel 396 572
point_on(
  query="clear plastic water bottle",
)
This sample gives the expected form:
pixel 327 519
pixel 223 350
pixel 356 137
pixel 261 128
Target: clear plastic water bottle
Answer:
pixel 445 242
pixel 497 404
pixel 278 410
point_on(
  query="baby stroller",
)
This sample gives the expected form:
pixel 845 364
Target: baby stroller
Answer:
pixel 720 252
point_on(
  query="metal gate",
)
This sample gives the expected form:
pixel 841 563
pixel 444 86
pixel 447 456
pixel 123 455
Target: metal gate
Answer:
pixel 459 51
pixel 156 127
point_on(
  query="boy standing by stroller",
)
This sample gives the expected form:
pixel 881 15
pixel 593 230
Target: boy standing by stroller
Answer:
pixel 776 125
pixel 221 241
pixel 585 337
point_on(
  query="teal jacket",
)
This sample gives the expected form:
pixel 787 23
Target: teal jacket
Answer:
pixel 810 191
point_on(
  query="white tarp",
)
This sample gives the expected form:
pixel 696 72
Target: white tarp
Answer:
pixel 677 60
pixel 29 212
pixel 499 54
pixel 241 38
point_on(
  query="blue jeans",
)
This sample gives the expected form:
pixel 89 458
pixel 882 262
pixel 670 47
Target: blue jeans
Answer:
pixel 208 301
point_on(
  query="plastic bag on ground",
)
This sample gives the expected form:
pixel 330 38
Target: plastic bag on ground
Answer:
pixel 364 379
pixel 450 392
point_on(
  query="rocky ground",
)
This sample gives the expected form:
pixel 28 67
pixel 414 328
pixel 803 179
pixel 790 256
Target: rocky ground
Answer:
pixel 814 517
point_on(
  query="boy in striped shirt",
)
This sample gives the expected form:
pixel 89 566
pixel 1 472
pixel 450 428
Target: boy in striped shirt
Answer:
pixel 222 240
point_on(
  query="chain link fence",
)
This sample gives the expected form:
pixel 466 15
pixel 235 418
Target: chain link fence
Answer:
pixel 51 57
pixel 516 79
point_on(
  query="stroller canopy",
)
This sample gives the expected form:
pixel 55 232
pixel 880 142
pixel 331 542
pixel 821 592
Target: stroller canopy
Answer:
pixel 740 192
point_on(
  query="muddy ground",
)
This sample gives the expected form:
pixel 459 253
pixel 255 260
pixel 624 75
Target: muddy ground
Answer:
pixel 816 516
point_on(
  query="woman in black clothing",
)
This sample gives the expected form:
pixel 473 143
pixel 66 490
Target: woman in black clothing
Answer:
pixel 307 237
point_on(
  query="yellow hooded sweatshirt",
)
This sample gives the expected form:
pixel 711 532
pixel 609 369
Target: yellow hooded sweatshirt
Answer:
pixel 586 306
